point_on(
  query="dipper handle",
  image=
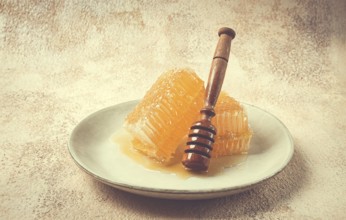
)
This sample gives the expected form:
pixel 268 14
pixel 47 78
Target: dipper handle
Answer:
pixel 200 141
pixel 218 66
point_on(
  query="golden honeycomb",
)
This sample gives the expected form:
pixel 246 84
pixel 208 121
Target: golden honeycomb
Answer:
pixel 163 117
pixel 231 122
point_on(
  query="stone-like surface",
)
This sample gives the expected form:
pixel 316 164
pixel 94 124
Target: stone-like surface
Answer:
pixel 62 60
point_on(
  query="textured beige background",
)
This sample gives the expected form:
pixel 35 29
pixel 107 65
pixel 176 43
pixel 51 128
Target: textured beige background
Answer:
pixel 62 60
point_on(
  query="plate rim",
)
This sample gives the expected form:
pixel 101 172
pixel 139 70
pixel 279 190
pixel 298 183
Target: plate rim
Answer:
pixel 161 192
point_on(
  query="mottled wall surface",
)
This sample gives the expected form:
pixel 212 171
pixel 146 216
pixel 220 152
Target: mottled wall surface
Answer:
pixel 62 60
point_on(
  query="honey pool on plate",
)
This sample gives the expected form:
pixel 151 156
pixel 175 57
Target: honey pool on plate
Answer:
pixel 123 140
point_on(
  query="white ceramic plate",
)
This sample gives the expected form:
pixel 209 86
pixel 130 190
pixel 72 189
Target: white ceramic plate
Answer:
pixel 94 151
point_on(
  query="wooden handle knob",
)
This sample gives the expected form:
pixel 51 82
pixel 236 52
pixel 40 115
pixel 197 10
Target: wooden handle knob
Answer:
pixel 225 30
pixel 218 66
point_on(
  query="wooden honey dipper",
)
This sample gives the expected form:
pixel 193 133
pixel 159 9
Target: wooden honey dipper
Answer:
pixel 198 149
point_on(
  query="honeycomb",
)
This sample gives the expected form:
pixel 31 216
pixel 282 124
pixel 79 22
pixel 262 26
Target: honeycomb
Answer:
pixel 163 117
pixel 159 123
pixel 233 132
